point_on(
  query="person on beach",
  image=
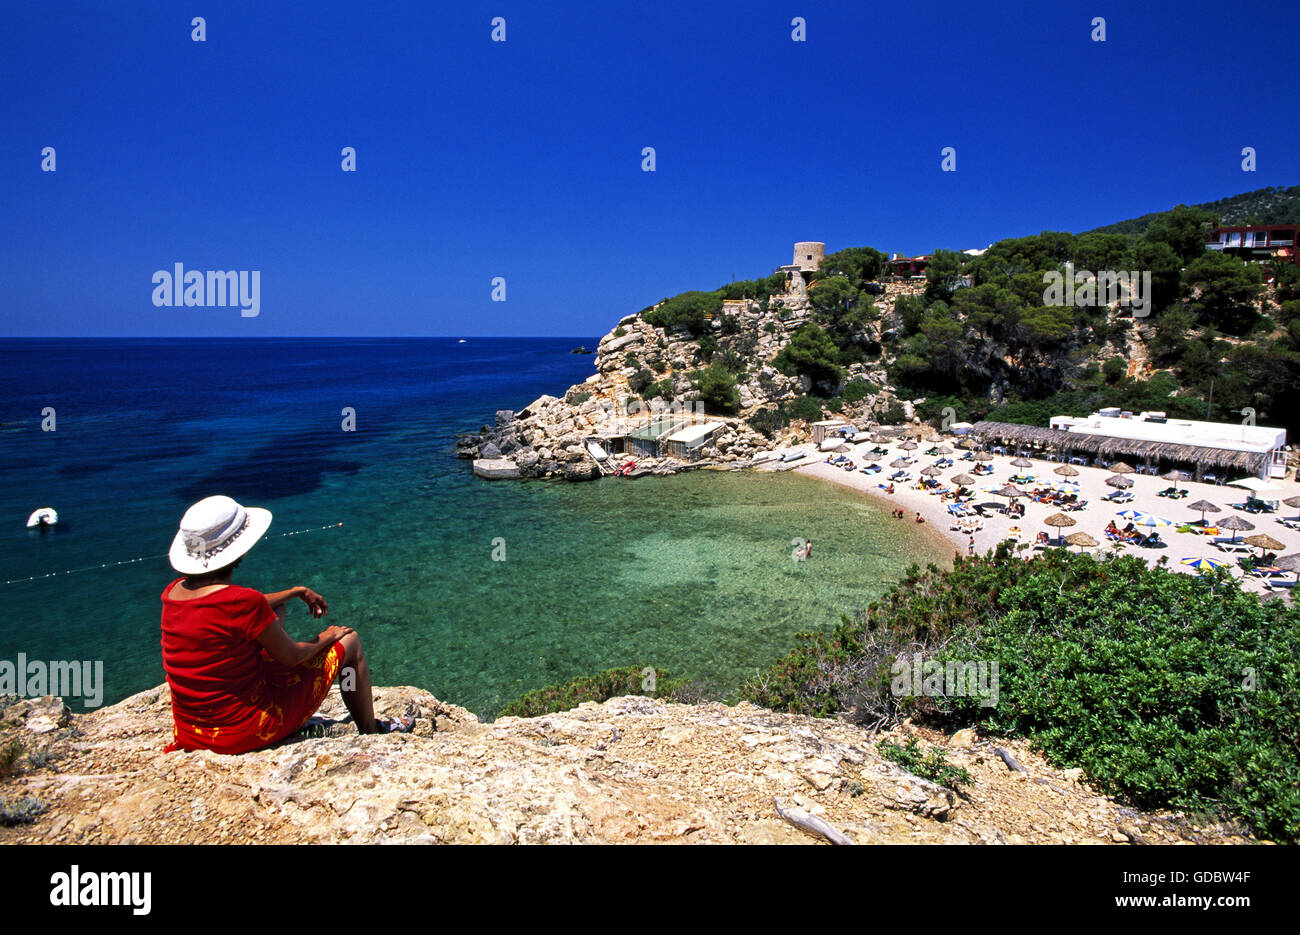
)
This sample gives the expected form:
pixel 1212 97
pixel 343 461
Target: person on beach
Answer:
pixel 238 681
pixel 970 546
pixel 807 548
pixel 919 517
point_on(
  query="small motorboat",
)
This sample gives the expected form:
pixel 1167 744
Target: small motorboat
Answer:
pixel 45 516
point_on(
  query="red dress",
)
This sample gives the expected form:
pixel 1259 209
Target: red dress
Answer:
pixel 228 694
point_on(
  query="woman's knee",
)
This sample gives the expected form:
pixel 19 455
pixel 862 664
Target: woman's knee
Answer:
pixel 352 651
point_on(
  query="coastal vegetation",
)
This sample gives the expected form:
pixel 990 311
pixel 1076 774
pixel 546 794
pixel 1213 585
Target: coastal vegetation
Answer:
pixel 612 683
pixel 1167 690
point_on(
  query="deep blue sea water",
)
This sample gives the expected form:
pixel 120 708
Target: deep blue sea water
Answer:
pixel 692 573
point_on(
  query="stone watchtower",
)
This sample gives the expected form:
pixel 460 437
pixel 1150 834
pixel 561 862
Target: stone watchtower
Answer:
pixel 808 256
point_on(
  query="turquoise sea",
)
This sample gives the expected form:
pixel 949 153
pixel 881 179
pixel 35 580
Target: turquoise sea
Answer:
pixel 690 573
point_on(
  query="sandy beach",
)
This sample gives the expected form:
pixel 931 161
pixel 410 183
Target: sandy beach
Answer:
pixel 1093 519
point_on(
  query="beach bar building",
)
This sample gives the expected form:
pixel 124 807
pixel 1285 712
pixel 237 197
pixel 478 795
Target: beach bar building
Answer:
pixel 1214 451
pixel 824 430
pixel 685 444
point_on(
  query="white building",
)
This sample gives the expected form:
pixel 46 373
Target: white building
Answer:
pixel 1268 443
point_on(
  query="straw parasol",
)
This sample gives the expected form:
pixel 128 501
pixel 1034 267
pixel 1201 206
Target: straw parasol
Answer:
pixel 1236 524
pixel 908 445
pixel 1081 539
pixel 1022 463
pixel 1119 481
pixel 932 471
pixel 1176 476
pixel 1264 541
pixel 1289 563
pixel 1067 470
pixel 1204 506
pixel 1060 521
pixel 1292 501
pixel 1119 467
pixel 944 450
pixel 899 463
pixel 1010 490
pixel 983 456
pixel 963 479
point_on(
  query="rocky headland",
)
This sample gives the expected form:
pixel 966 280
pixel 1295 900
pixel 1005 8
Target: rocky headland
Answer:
pixel 631 770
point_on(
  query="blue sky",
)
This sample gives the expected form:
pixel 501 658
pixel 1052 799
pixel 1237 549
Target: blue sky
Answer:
pixel 523 159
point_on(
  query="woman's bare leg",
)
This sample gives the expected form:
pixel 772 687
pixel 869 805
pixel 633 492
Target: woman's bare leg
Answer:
pixel 359 701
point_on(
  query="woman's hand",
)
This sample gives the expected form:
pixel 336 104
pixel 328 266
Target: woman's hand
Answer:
pixel 331 635
pixel 315 603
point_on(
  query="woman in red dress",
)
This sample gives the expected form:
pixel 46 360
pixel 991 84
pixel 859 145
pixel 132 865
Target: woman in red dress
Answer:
pixel 238 681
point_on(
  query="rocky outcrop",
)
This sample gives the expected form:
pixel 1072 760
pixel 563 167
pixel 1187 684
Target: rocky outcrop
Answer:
pixel 633 769
pixel 547 437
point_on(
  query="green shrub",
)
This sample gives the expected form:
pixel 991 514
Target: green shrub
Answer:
pixel 23 812
pixel 687 310
pixel 661 388
pixel 620 331
pixel 1113 369
pixel 717 386
pixel 857 390
pixel 933 766
pixel 834 404
pixel 807 408
pixel 577 399
pixel 640 380
pixel 612 683
pixel 1168 690
pixel 11 751
pixel 769 421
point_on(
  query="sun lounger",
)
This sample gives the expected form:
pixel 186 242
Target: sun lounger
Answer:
pixel 1232 548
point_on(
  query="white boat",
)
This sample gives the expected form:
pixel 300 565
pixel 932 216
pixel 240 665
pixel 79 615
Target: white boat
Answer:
pixel 45 516
pixel 830 444
pixel 597 452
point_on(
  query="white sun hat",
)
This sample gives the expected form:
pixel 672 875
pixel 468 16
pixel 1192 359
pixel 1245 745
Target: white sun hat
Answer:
pixel 215 532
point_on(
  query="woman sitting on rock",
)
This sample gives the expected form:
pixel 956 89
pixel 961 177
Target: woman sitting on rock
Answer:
pixel 238 681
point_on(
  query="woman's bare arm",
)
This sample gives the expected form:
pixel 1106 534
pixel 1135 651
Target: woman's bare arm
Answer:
pixel 314 601
pixel 288 651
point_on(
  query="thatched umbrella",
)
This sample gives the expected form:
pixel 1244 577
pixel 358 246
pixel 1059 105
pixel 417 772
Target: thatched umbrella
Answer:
pixel 1060 521
pixel 1176 476
pixel 983 456
pixel 932 471
pixel 1081 539
pixel 1236 524
pixel 1289 563
pixel 1292 501
pixel 869 456
pixel 1067 470
pixel 1119 481
pixel 1022 463
pixel 1205 506
pixel 963 479
pixel 908 445
pixel 1119 467
pixel 944 450
pixel 1264 541
pixel 881 439
pixel 899 463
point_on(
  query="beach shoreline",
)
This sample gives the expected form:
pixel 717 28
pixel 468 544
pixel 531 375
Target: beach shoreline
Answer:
pixel 1092 488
